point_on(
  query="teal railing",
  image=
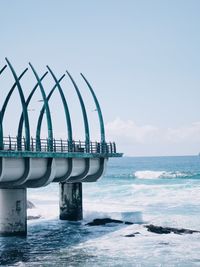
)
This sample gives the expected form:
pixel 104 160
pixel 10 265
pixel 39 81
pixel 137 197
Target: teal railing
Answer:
pixel 59 145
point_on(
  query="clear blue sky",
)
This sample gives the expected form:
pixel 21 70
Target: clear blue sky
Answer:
pixel 142 58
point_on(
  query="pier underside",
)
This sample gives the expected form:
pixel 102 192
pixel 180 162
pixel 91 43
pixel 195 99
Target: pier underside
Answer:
pixel 37 172
pixel 18 174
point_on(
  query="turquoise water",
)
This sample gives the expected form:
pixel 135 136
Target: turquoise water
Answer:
pixel 161 190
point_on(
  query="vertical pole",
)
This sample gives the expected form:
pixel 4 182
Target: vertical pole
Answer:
pixel 54 144
pixel 13 212
pixel 71 206
pixel 9 142
pixel 32 146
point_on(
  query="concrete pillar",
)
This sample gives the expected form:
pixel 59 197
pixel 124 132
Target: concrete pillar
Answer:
pixel 71 201
pixel 13 212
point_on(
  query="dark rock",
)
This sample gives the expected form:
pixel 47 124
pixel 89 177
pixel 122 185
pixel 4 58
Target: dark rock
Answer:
pixel 167 230
pixel 129 223
pixel 163 243
pixel 30 205
pixel 132 235
pixel 104 221
pixel 30 217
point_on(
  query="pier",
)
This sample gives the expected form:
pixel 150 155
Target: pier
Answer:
pixel 29 160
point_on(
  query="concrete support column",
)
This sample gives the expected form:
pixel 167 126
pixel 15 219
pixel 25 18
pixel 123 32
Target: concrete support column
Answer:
pixel 71 201
pixel 13 212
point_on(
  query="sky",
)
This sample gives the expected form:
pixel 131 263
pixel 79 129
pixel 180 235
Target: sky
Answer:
pixel 141 57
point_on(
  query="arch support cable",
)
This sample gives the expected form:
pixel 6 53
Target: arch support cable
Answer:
pixel 3 69
pixel 48 114
pixel 7 100
pixel 10 93
pixel 39 123
pixel 20 126
pixel 85 119
pixel 66 109
pixel 24 108
pixel 101 122
pixel 1 122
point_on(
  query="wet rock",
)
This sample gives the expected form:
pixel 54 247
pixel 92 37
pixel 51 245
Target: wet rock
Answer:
pixel 104 221
pixel 163 243
pixel 30 205
pixel 167 230
pixel 132 235
pixel 31 217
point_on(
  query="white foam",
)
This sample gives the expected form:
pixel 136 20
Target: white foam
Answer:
pixel 46 212
pixel 148 174
pixel 159 174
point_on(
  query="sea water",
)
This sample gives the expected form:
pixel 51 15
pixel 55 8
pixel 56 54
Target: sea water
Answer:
pixel 163 191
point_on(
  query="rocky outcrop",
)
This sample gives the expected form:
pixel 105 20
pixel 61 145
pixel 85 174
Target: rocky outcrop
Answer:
pixel 104 221
pixel 31 217
pixel 132 235
pixel 167 230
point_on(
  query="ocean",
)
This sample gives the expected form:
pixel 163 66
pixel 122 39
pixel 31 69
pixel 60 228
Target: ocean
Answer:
pixel 163 191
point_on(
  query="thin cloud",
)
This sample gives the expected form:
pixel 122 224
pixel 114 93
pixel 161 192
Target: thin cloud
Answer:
pixel 130 130
pixel 152 140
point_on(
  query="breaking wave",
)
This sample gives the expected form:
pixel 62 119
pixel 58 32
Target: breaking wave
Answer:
pixel 165 174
